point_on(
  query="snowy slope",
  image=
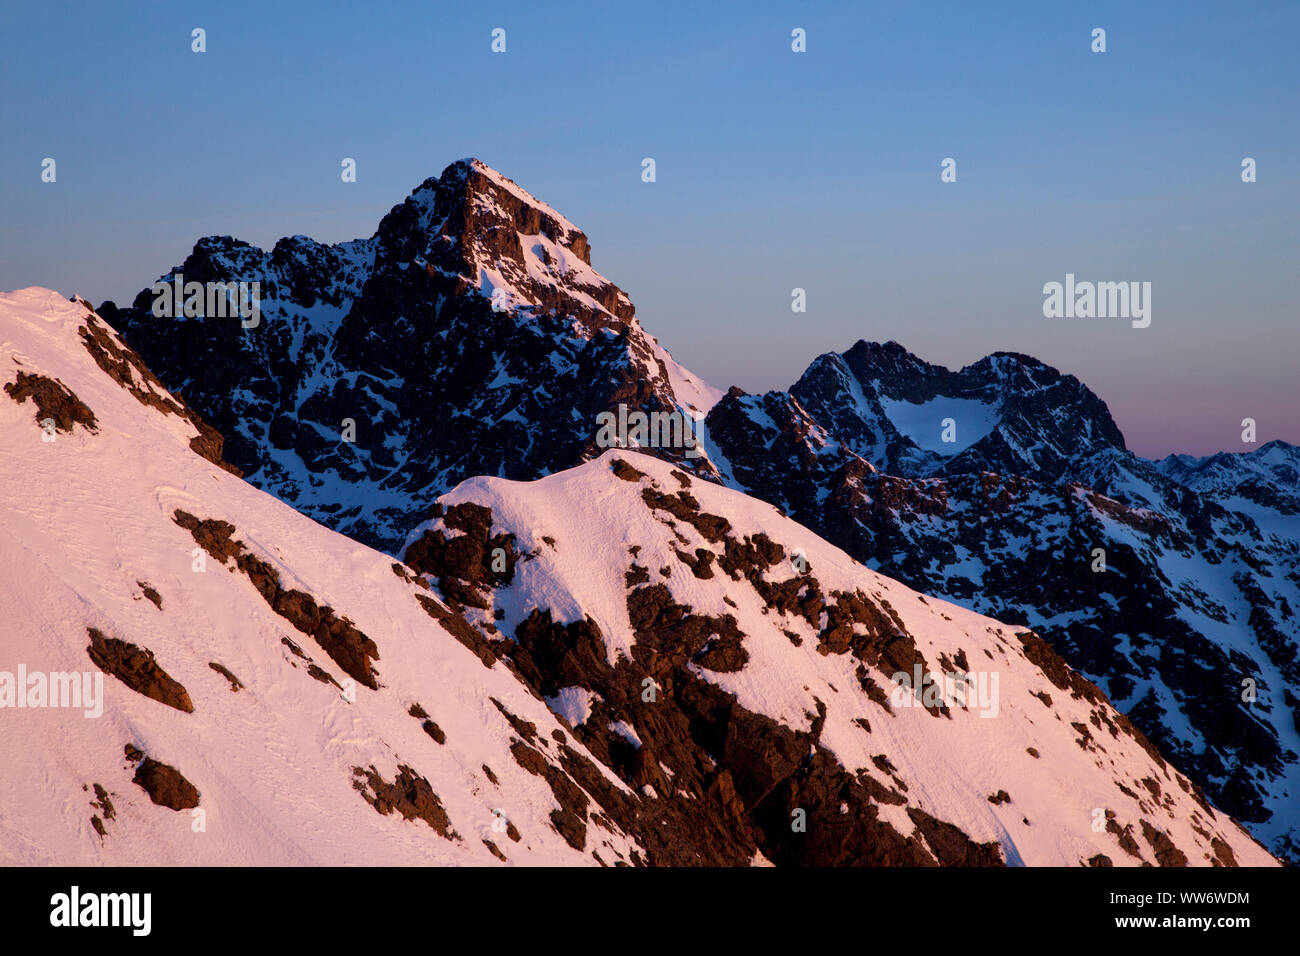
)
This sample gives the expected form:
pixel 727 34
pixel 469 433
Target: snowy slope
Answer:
pixel 694 395
pixel 924 423
pixel 773 654
pixel 88 525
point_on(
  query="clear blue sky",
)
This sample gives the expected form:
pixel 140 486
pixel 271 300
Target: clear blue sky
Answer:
pixel 775 169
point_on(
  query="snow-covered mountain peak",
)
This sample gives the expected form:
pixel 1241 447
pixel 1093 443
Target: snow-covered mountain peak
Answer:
pixel 470 335
pixel 1008 413
pixel 476 224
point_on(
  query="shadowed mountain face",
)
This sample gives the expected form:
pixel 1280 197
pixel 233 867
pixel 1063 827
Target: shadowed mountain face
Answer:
pixel 470 336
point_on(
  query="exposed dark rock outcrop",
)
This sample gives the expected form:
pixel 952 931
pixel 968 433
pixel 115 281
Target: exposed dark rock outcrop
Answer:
pixel 165 785
pixel 346 645
pixel 408 793
pixel 54 401
pixel 136 668
pixel 235 685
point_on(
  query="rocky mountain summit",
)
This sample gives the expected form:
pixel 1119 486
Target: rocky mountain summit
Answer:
pixel 1007 413
pixel 470 335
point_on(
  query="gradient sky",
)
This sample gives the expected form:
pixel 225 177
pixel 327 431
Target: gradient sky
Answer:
pixel 775 170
